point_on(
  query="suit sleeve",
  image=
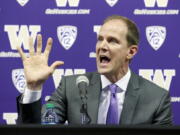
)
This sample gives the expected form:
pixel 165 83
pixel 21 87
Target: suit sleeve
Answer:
pixel 163 115
pixel 31 113
pixel 28 113
pixel 58 98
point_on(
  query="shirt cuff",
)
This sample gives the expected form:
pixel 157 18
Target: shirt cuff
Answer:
pixel 30 96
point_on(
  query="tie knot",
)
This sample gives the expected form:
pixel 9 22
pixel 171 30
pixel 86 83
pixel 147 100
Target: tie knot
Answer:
pixel 113 88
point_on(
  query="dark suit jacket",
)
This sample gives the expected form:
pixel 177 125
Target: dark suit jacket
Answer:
pixel 145 102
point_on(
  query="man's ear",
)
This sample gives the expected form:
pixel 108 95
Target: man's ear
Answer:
pixel 133 49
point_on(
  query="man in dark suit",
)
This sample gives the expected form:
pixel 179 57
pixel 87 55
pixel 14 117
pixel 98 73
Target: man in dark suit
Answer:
pixel 115 94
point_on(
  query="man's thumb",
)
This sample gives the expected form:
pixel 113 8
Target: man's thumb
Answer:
pixel 56 64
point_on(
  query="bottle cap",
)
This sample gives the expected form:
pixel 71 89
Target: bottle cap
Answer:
pixel 49 105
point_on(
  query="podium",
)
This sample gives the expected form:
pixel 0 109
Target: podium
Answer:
pixel 87 130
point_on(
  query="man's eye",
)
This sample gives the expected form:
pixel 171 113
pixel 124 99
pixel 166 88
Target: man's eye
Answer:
pixel 99 39
pixel 113 40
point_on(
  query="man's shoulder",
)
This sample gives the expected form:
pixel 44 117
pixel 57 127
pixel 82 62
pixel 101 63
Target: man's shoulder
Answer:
pixel 149 86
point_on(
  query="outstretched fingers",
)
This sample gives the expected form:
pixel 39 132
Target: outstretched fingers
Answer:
pixel 31 47
pixel 56 64
pixel 48 47
pixel 23 56
pixel 39 44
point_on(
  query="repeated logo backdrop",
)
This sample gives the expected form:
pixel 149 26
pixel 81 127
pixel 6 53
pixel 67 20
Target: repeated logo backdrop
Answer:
pixel 74 25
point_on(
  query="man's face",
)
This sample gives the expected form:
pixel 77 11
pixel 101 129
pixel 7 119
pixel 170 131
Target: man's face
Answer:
pixel 112 48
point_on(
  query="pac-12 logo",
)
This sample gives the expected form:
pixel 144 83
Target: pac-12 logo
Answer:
pixel 156 36
pixel 111 2
pixel 18 79
pixel 22 2
pixel 67 35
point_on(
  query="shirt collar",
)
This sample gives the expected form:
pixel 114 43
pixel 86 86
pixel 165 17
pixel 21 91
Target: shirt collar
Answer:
pixel 122 83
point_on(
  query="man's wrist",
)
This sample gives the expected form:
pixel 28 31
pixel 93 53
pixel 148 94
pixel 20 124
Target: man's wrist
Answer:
pixel 34 87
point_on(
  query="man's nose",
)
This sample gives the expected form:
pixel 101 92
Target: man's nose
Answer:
pixel 104 45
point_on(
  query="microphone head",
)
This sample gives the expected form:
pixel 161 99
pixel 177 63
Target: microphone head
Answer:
pixel 81 79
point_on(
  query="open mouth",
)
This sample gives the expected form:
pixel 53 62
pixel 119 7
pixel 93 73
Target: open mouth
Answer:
pixel 104 59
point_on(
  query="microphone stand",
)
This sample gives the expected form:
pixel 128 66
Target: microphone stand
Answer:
pixel 85 118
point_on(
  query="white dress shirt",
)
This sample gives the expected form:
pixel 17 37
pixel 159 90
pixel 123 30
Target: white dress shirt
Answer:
pixel 30 96
pixel 106 95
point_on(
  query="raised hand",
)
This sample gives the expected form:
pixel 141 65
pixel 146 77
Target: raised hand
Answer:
pixel 36 67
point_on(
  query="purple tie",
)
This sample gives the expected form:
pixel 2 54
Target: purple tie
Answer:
pixel 112 115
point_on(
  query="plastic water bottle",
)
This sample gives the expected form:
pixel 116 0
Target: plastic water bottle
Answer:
pixel 49 117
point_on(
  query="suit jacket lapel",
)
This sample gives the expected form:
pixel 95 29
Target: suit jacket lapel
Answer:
pixel 131 99
pixel 93 95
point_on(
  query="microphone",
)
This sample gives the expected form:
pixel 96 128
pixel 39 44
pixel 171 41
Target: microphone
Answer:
pixel 82 83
